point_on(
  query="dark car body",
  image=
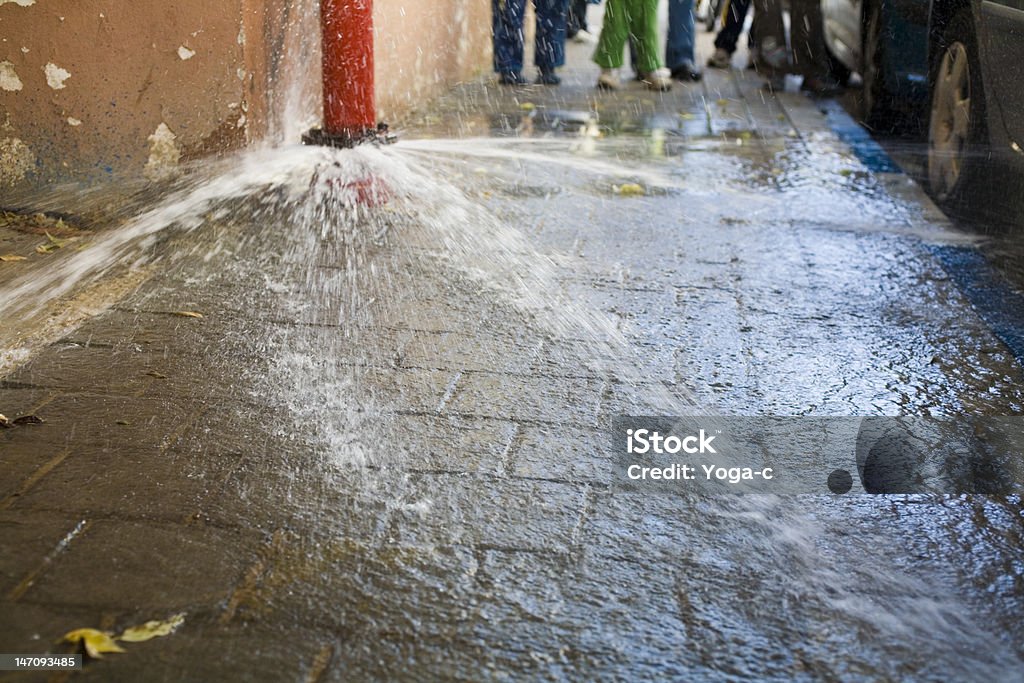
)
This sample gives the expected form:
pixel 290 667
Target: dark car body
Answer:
pixel 912 34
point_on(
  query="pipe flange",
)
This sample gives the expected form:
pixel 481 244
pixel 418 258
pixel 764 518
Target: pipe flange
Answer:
pixel 350 138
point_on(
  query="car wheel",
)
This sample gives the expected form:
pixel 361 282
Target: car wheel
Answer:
pixel 956 124
pixel 876 100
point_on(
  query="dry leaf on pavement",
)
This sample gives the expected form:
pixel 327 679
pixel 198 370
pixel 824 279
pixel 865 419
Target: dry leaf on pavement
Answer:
pixel 188 314
pixel 96 642
pixel 152 629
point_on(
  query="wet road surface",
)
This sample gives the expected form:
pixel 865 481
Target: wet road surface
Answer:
pixel 380 452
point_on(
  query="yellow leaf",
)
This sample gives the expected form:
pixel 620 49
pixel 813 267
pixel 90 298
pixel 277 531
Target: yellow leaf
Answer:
pixel 96 642
pixel 188 314
pixel 527 106
pixel 152 629
pixel 631 190
pixel 12 257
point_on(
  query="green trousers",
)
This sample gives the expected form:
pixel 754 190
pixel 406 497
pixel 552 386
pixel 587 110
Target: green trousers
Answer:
pixel 625 19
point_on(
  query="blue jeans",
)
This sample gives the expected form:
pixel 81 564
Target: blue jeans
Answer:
pixel 549 47
pixel 679 46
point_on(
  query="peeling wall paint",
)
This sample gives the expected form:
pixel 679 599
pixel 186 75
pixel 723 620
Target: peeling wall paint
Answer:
pixel 164 154
pixel 9 80
pixel 55 76
pixel 216 75
pixel 16 160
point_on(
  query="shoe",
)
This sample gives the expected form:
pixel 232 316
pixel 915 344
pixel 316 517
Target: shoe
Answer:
pixel 720 59
pixel 658 80
pixel 512 78
pixel 608 80
pixel 584 37
pixel 546 77
pixel 821 86
pixel 687 71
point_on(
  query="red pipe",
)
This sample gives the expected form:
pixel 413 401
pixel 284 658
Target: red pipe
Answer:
pixel 347 34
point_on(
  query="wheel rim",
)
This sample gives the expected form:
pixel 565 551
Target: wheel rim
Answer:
pixel 949 130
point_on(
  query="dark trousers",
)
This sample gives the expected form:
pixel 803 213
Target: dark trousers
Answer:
pixel 735 16
pixel 577 16
pixel 507 27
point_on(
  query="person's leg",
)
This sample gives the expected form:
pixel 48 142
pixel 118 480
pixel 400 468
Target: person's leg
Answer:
pixel 809 56
pixel 770 40
pixel 507 30
pixel 549 46
pixel 577 20
pixel 614 33
pixel 679 46
pixel 643 28
pixel 735 17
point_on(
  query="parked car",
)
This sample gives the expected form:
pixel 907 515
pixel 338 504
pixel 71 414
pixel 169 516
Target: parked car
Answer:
pixel 956 64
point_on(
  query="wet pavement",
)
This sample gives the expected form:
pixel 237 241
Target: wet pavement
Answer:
pixel 371 443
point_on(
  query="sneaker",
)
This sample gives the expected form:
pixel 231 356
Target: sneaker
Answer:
pixel 658 80
pixel 720 59
pixel 584 37
pixel 608 80
pixel 687 71
pixel 546 77
pixel 512 78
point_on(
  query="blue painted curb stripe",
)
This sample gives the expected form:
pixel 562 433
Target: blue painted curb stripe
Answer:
pixel 860 141
pixel 999 305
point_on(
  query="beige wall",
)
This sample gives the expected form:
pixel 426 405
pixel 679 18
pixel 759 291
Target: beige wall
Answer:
pixel 214 74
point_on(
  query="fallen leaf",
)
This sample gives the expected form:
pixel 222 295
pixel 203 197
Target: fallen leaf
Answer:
pixel 158 375
pixel 630 190
pixel 123 423
pixel 96 642
pixel 722 102
pixel 4 422
pixel 27 420
pixel 688 116
pixel 152 629
pixel 7 258
pixel 188 314
pixel 54 243
pixel 527 106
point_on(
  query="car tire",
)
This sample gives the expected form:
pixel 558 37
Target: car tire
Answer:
pixel 956 123
pixel 877 111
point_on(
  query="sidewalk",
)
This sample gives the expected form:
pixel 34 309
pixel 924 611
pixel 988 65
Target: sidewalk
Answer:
pixel 418 487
